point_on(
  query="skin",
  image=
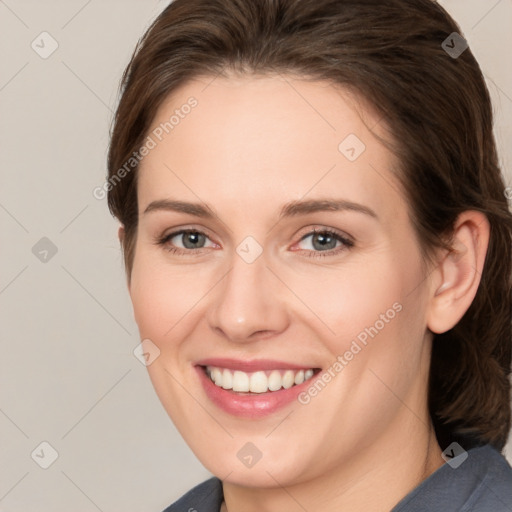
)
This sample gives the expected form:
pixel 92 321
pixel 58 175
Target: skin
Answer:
pixel 251 145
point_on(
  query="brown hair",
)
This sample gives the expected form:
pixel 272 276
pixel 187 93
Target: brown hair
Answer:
pixel 439 111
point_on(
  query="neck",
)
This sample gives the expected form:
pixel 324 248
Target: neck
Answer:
pixel 375 478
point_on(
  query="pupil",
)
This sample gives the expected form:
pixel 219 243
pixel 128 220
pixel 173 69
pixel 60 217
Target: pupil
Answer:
pixel 324 240
pixel 192 239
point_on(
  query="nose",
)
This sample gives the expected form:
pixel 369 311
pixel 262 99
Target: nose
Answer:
pixel 249 303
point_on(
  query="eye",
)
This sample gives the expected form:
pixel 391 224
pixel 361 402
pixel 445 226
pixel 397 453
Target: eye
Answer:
pixel 320 242
pixel 185 241
pixel 325 242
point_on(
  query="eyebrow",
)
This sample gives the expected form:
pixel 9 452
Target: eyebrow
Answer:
pixel 291 209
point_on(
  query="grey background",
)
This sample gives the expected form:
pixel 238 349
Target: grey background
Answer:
pixel 68 375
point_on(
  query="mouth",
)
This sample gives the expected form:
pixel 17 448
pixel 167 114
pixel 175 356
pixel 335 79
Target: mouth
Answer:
pixel 253 389
pixel 260 381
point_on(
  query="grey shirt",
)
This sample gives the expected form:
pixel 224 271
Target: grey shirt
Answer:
pixel 481 483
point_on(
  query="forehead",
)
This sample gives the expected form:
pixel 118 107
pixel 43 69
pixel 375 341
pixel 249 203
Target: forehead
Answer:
pixel 245 140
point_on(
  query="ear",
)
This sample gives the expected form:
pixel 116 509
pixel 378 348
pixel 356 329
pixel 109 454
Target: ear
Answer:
pixel 121 235
pixel 457 276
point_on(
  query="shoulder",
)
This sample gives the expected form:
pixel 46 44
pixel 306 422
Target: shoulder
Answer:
pixel 205 497
pixel 480 482
pixel 494 480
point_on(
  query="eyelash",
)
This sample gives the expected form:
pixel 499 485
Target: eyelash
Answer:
pixel 346 243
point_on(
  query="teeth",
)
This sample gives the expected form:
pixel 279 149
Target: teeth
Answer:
pixel 275 381
pixel 299 377
pixel 217 376
pixel 227 379
pixel 240 381
pixel 257 382
pixel 288 379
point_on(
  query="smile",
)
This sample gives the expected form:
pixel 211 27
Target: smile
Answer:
pixel 262 381
pixel 253 389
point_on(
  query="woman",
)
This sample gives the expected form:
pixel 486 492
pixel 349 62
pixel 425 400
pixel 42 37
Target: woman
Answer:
pixel 318 251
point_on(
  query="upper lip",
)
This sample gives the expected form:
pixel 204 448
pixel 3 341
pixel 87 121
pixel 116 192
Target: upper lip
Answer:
pixel 253 365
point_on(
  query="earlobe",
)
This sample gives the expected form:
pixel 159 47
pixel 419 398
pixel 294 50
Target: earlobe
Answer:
pixel 120 234
pixel 456 279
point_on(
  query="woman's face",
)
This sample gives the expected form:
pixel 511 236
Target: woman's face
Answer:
pixel 300 256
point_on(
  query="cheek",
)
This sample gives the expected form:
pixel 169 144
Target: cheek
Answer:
pixel 169 301
pixel 375 312
pixel 161 295
pixel 381 330
pixel 353 298
pixel 359 300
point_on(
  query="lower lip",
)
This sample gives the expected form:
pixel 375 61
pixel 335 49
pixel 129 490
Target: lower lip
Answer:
pixel 254 405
